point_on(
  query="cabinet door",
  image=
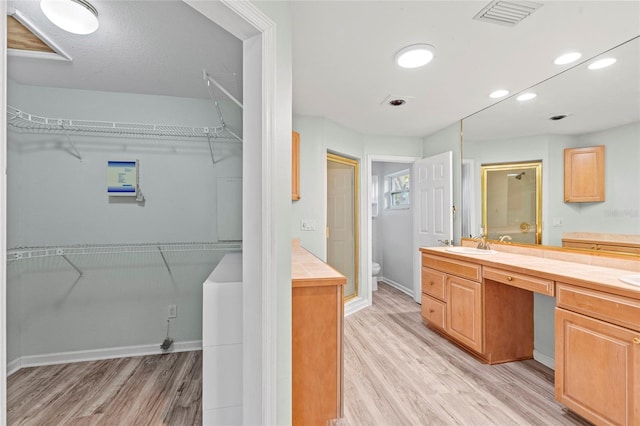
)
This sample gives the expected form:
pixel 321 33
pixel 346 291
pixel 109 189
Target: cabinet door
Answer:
pixel 295 166
pixel 464 312
pixel 597 369
pixel 584 174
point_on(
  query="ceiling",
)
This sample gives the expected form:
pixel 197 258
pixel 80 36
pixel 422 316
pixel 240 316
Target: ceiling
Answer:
pixel 343 52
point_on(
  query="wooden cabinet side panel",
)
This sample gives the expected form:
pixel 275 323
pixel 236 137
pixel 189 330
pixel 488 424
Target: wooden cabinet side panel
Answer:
pixel 508 323
pixel 597 369
pixel 316 354
pixel 295 166
pixel 464 312
pixel 584 174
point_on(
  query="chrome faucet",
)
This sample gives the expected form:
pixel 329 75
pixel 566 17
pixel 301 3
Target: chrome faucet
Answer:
pixel 505 237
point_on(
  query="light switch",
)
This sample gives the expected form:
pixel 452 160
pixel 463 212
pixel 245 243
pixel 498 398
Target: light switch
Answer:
pixel 557 221
pixel 308 225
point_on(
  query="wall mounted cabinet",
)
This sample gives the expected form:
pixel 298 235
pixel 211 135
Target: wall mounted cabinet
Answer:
pixel 584 174
pixel 295 166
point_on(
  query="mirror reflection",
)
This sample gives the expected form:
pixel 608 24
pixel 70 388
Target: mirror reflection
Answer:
pixel 511 201
pixel 578 108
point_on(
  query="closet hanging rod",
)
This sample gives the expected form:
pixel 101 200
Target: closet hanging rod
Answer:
pixel 26 122
pixel 21 253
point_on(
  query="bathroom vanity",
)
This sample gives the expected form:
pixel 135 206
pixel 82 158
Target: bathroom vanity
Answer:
pixel 316 339
pixel 484 304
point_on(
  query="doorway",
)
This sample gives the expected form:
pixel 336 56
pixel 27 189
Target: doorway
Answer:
pixel 342 219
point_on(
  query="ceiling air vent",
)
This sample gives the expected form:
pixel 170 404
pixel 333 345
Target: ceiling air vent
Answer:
pixel 507 13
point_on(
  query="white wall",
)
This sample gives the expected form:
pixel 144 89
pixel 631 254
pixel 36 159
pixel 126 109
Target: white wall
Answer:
pixel 395 235
pixel 317 136
pixel 58 199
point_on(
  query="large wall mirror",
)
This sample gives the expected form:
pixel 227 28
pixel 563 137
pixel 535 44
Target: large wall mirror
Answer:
pixel 600 107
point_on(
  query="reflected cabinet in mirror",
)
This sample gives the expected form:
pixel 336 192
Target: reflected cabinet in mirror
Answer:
pixel 578 108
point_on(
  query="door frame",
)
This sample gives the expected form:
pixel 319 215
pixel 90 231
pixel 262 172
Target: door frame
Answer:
pixel 342 159
pixel 375 158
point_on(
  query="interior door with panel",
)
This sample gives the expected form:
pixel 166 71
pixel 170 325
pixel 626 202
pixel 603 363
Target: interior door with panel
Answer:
pixel 432 208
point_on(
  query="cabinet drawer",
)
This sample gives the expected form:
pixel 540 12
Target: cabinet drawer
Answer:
pixel 433 283
pixel 607 307
pixel 462 269
pixel 433 311
pixel 527 282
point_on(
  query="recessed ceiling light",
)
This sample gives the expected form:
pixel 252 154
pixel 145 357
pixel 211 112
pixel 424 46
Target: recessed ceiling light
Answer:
pixel 602 63
pixel 397 102
pixel 567 58
pixel 74 16
pixel 526 96
pixel 499 93
pixel 415 56
pixel 558 117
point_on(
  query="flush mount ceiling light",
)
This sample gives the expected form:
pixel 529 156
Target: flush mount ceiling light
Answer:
pixel 499 93
pixel 74 16
pixel 526 96
pixel 415 56
pixel 602 63
pixel 567 58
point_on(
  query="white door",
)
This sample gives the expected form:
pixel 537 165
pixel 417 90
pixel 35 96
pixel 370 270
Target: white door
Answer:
pixel 341 232
pixel 432 209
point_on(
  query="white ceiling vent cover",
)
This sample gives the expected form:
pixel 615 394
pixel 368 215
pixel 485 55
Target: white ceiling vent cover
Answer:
pixel 507 12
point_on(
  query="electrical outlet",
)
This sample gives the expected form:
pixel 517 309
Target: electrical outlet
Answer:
pixel 173 311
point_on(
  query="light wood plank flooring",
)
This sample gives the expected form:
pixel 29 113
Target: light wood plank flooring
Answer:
pixel 151 390
pixel 398 372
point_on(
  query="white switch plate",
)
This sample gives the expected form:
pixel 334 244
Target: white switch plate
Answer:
pixel 308 225
pixel 557 221
pixel 173 311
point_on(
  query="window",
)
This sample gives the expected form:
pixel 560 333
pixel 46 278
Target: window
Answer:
pixel 397 190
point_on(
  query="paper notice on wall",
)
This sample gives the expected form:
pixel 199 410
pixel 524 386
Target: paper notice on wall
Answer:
pixel 122 178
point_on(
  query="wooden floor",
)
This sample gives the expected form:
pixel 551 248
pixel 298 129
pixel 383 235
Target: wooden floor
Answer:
pixel 397 372
pixel 151 390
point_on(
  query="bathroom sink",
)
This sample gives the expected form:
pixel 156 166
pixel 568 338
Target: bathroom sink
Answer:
pixel 469 250
pixel 631 279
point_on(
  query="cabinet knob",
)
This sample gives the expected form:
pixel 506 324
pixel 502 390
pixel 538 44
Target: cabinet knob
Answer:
pixel 430 282
pixel 432 311
pixel 636 340
pixel 509 278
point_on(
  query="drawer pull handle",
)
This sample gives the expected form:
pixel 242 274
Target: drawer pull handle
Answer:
pixel 430 282
pixel 509 278
pixel 432 311
pixel 636 340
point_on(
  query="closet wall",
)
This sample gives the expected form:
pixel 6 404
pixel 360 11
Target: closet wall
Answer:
pixel 56 199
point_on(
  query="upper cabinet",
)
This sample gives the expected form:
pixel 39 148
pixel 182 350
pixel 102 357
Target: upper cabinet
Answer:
pixel 584 174
pixel 295 166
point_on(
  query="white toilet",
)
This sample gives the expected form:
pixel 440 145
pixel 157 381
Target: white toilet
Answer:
pixel 375 270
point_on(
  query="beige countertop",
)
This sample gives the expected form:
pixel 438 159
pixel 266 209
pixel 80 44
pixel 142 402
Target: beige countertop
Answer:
pixel 307 270
pixel 584 275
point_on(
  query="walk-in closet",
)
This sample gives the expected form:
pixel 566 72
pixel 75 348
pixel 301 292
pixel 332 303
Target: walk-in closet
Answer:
pixel 124 173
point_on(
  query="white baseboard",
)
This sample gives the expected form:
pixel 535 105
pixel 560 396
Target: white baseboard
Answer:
pixel 356 304
pixel 544 359
pixel 98 354
pixel 397 286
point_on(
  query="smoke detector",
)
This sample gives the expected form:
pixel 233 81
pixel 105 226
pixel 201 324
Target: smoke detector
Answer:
pixel 507 13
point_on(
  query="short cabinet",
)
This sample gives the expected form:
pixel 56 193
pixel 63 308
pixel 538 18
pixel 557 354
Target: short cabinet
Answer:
pixel 491 320
pixel 584 174
pixel 598 355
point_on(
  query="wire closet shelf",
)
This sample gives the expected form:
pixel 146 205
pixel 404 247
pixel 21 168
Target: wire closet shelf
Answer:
pixel 22 253
pixel 25 122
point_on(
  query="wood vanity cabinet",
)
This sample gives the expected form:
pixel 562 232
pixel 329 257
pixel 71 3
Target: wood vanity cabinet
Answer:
pixel 598 355
pixel 617 247
pixel 295 166
pixel 584 174
pixel 492 320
